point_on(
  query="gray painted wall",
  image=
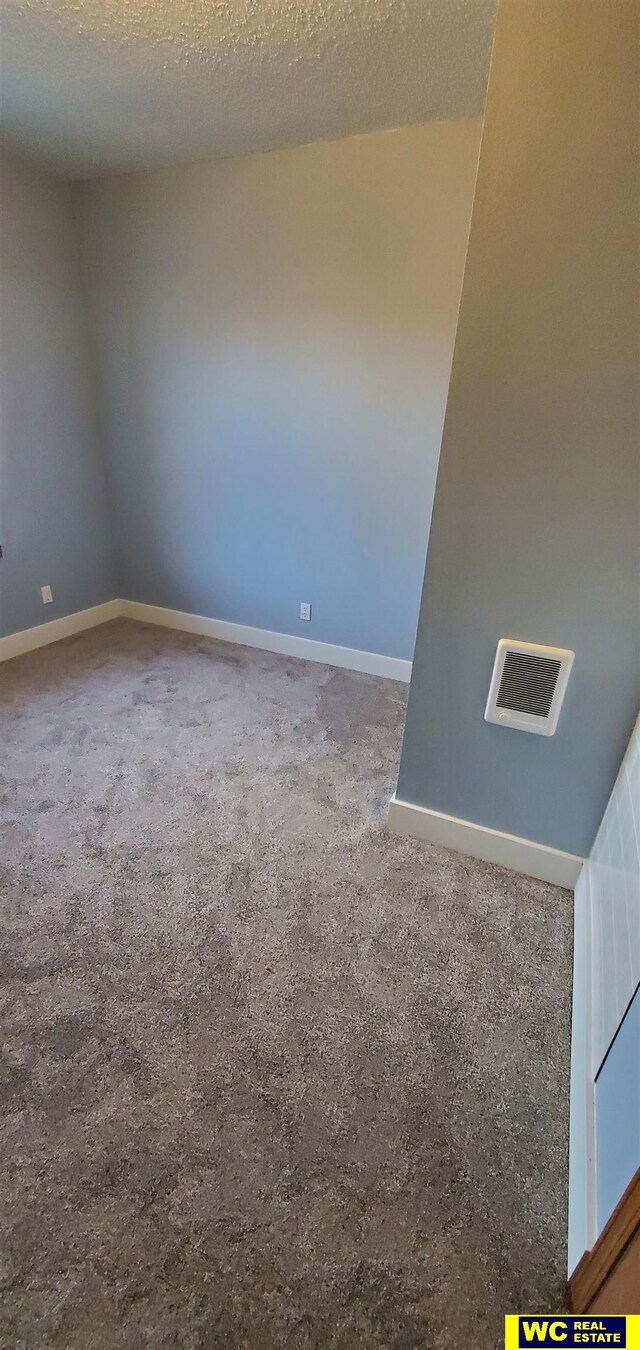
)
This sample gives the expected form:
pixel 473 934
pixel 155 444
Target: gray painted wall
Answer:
pixel 275 336
pixel 53 509
pixel 536 523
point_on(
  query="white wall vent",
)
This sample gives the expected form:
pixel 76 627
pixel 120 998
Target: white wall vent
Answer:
pixel 528 685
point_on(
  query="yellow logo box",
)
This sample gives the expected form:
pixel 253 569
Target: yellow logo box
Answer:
pixel 564 1333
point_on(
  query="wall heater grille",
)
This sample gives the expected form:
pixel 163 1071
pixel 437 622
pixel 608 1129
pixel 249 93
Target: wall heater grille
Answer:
pixel 528 685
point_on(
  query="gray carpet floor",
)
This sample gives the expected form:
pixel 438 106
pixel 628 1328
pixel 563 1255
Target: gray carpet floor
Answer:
pixel 272 1077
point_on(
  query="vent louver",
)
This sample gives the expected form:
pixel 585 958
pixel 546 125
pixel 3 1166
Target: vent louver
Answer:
pixel 528 685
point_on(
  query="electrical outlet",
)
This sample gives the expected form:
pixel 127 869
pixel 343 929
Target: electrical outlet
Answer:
pixel 47 595
pixel 305 611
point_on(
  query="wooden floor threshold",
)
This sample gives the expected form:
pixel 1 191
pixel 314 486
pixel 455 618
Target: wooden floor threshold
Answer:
pixel 597 1265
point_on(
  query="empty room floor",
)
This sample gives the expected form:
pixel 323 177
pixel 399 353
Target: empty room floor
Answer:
pixel 273 1077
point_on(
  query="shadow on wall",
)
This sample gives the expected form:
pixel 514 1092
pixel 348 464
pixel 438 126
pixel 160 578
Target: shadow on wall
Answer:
pixel 275 341
pixel 288 483
pixel 53 502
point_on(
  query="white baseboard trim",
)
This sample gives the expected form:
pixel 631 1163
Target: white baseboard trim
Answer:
pixel 582 1153
pixel 463 836
pixel 44 633
pixel 349 658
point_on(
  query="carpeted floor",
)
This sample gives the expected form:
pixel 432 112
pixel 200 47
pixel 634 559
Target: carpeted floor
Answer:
pixel 272 1077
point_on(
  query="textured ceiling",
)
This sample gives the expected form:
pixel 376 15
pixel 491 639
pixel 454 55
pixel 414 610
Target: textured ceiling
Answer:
pixel 95 86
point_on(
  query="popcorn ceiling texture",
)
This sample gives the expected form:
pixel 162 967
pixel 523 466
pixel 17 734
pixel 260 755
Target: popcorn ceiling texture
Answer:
pixel 93 86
